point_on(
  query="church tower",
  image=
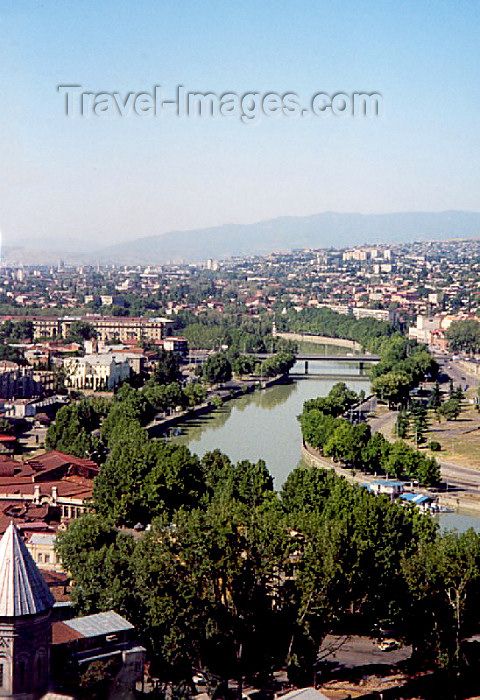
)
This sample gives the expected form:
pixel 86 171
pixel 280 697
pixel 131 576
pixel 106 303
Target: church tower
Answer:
pixel 25 626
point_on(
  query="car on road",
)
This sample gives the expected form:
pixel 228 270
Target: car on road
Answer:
pixel 199 679
pixel 388 645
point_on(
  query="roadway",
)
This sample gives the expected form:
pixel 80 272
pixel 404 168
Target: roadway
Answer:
pixel 350 652
pixel 453 370
pixel 466 479
pixel 457 477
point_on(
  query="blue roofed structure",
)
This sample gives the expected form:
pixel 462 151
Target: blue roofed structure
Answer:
pixel 421 500
pixel 101 623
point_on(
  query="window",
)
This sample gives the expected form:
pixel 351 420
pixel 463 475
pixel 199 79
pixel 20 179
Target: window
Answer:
pixel 47 558
pixel 40 558
pixel 1 675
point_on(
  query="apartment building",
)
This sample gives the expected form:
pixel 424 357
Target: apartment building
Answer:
pixel 107 327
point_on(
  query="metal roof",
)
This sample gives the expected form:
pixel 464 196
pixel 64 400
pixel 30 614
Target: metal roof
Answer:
pixel 304 694
pixel 23 590
pixel 415 497
pixel 99 624
pixel 42 538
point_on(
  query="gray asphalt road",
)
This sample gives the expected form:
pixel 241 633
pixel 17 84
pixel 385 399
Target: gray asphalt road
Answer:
pixel 350 652
pixel 457 374
pixel 377 424
pixel 464 478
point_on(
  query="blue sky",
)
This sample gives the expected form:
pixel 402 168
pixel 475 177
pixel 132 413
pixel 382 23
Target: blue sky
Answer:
pixel 96 181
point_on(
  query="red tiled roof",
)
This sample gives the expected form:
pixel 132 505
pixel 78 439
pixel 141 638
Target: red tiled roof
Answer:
pixel 54 459
pixel 62 633
pixel 7 469
pixel 45 471
pixel 55 578
pixel 36 526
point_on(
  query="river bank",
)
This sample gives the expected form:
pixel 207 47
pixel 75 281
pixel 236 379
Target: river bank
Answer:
pixel 321 340
pixel 462 485
pixel 464 503
pixel 263 425
pixel 157 427
pixel 462 480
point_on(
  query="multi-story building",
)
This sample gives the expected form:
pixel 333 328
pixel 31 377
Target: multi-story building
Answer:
pixel 179 346
pixel 107 327
pixel 379 314
pixel 17 382
pixel 97 372
pixel 422 331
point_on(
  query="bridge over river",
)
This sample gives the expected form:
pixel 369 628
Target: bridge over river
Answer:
pixel 313 363
pixel 324 358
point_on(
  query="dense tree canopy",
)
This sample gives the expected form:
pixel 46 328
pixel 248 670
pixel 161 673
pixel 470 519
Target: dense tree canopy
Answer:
pixel 369 332
pixel 73 429
pixel 235 580
pixel 217 369
pixel 464 336
pixel 16 331
pixel 356 447
pixel 80 331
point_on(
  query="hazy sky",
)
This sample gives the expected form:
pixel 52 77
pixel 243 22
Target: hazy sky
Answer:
pixel 97 180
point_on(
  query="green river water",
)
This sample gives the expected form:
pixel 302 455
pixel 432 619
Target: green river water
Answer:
pixel 264 425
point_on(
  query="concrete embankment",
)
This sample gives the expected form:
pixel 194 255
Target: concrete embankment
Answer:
pixel 320 340
pixel 466 503
pixel 157 427
pixel 315 459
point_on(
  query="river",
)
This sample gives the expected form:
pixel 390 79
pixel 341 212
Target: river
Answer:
pixel 264 425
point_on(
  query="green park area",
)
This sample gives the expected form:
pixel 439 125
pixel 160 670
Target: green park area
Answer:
pixel 458 436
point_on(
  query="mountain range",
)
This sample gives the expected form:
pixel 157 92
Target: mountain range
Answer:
pixel 325 230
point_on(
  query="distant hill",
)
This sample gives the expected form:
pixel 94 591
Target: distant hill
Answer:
pixel 22 255
pixel 325 230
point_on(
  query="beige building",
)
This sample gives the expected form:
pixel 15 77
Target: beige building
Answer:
pixel 97 372
pixel 41 546
pixel 107 327
pixel 177 345
pixel 379 314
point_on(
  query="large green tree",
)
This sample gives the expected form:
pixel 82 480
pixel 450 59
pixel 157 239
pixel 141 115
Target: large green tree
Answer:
pixel 72 431
pixel 464 336
pixel 217 369
pixel 393 387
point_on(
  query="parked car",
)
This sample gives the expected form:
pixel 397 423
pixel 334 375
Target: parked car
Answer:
pixel 199 679
pixel 388 645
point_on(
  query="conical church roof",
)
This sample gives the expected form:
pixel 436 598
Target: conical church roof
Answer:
pixel 23 590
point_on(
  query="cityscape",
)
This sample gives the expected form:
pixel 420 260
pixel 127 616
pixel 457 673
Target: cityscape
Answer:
pixel 239 350
pixel 104 365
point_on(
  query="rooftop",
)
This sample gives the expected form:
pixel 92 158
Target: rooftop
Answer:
pixel 304 694
pixel 99 624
